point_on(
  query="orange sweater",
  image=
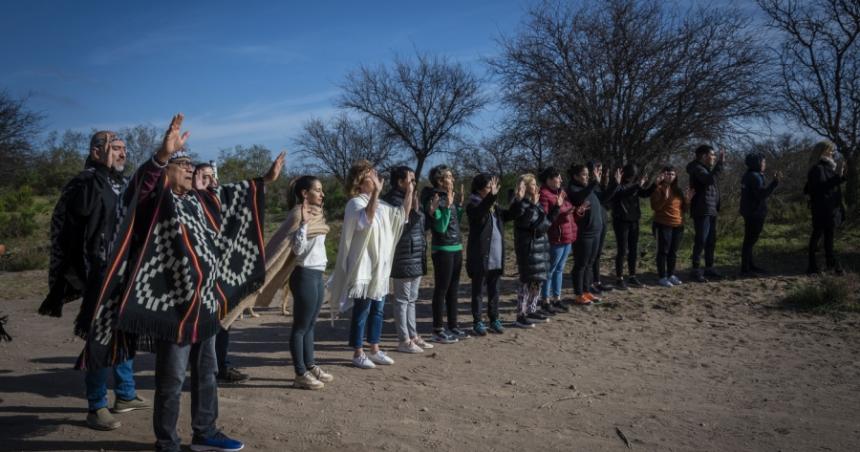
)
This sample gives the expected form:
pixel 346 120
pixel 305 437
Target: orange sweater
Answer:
pixel 668 211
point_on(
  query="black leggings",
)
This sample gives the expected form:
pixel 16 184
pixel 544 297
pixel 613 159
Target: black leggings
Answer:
pixel 446 277
pixel 306 285
pixel 668 241
pixel 627 242
pixel 584 253
pixel 752 231
pixel 828 231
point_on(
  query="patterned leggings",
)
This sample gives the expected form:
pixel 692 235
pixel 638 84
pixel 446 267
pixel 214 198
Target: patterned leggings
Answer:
pixel 528 297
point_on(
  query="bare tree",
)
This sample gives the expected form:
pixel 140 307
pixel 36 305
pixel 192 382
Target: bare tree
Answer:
pixel 422 101
pixel 630 81
pixel 141 142
pixel 332 148
pixel 820 72
pixel 495 155
pixel 18 127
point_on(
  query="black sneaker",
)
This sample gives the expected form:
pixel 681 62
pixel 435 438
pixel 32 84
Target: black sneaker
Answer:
pixel 711 273
pixel 559 306
pixel 634 281
pixel 523 322
pixel 621 284
pixel 443 337
pixel 594 290
pixel 458 333
pixel 537 317
pixel 547 310
pixel 603 287
pixel 698 277
pixel 232 376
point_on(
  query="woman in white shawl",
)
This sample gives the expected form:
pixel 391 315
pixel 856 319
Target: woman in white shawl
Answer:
pixel 371 229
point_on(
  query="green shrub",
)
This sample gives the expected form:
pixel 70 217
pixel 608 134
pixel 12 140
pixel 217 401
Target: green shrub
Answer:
pixel 828 294
pixel 26 259
pixel 17 224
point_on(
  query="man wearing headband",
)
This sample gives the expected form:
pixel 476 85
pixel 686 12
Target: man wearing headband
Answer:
pixel 182 258
pixel 82 226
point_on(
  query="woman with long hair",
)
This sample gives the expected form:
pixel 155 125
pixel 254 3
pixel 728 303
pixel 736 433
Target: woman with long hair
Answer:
pixel 306 280
pixel 669 203
pixel 823 186
pixel 371 230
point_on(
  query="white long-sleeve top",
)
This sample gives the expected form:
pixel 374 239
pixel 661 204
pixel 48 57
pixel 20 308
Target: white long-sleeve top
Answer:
pixel 310 253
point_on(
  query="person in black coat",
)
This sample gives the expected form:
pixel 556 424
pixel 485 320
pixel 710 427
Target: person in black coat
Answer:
pixel 753 208
pixel 532 247
pixel 823 186
pixel 704 174
pixel 605 195
pixel 485 251
pixel 626 214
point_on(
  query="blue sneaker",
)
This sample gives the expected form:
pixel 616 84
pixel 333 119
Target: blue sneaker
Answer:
pixel 218 442
pixel 496 326
pixel 479 328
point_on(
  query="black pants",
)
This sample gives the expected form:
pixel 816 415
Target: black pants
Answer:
pixel 306 285
pixel 752 231
pixel 828 231
pixel 598 251
pixel 627 242
pixel 584 252
pixel 668 241
pixel 705 240
pixel 491 280
pixel 446 277
pixel 222 343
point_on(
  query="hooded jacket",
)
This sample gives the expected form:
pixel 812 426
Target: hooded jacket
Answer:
pixel 563 229
pixel 754 193
pixel 703 180
pixel 410 254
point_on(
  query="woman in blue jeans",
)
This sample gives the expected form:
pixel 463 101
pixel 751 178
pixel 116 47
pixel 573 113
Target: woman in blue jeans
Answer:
pixel 562 234
pixel 371 229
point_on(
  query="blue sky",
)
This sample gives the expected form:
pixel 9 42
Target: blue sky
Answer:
pixel 242 73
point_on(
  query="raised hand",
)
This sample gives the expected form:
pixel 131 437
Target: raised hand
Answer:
pixel 598 174
pixel 276 168
pixel 434 202
pixel 642 181
pixel 689 193
pixel 840 168
pixel 561 197
pixel 618 174
pixel 174 139
pixel 660 178
pixel 495 186
pixel 584 207
pixel 521 190
pixel 378 183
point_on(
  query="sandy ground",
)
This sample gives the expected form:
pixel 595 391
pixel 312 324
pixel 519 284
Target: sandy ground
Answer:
pixel 705 367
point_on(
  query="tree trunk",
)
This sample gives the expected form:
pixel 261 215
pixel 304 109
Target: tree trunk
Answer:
pixel 419 167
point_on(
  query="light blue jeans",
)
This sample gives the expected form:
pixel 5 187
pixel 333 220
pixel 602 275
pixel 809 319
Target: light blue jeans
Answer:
pixel 557 258
pixel 96 381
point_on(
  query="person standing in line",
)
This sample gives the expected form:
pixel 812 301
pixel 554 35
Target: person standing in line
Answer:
pixel 371 230
pixel 531 223
pixel 605 196
pixel 669 204
pixel 580 191
pixel 561 234
pixel 485 256
pixel 824 189
pixel 444 214
pixel 704 175
pixel 626 214
pixel 410 264
pixel 753 208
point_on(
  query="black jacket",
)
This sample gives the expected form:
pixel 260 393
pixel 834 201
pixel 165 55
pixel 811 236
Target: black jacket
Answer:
pixel 482 214
pixel 530 239
pixel 410 254
pixel 451 235
pixel 625 201
pixel 591 223
pixel 825 194
pixel 754 193
pixel 706 200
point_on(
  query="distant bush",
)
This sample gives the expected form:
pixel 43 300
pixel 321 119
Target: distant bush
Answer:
pixel 17 213
pixel 827 295
pixel 26 259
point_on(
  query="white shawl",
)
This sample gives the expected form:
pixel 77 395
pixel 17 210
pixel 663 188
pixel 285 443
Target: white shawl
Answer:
pixel 365 255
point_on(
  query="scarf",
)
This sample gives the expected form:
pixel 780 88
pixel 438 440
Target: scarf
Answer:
pixel 174 271
pixel 280 261
pixel 364 256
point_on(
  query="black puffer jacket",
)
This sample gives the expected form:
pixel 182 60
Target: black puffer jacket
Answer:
pixel 530 239
pixel 451 235
pixel 410 254
pixel 482 214
pixel 706 200
pixel 825 194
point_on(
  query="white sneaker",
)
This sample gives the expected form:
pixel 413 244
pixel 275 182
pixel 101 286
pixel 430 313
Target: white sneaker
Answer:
pixel 421 343
pixel 409 347
pixel 675 280
pixel 664 282
pixel 362 362
pixel 380 358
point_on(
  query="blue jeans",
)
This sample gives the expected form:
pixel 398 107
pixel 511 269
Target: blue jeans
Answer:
pixel 705 240
pixel 96 381
pixel 366 313
pixel 557 258
pixel 171 361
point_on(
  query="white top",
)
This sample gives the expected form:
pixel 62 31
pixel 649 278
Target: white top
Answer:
pixel 310 254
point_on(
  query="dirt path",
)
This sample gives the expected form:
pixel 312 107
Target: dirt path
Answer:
pixel 713 367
